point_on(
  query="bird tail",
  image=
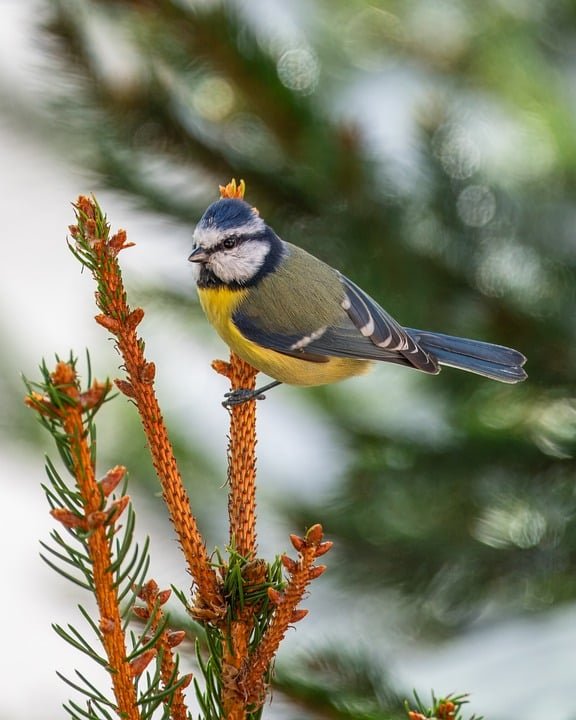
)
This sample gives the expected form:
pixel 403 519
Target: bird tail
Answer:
pixel 493 361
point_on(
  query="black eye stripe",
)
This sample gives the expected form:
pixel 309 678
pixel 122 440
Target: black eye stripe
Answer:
pixel 229 242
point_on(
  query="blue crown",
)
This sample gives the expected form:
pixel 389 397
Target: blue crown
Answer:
pixel 227 213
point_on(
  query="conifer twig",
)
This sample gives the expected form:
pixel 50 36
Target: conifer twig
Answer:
pixel 301 572
pixel 65 406
pixel 241 458
pixel 449 707
pixel 165 644
pixel 98 251
pixel 242 462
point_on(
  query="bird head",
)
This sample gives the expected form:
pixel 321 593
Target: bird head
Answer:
pixel 232 244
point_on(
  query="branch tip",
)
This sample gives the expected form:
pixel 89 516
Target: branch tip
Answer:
pixel 222 368
pixel 139 664
pixel 233 189
pixel 112 479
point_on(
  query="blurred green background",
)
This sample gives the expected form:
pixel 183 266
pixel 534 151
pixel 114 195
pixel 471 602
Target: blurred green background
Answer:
pixel 427 148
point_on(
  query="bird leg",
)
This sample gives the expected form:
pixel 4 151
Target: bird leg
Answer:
pixel 237 397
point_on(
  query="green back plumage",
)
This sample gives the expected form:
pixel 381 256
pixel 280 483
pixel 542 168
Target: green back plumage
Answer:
pixel 283 299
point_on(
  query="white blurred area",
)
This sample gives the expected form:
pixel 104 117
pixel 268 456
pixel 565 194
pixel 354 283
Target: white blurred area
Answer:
pixel 520 669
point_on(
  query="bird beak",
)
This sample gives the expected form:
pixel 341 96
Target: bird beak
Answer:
pixel 198 255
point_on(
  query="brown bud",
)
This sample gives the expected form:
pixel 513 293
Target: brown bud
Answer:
pixel 107 625
pixel 94 396
pixel 141 612
pixel 298 615
pixel 275 596
pixel 134 318
pixel 164 596
pixel 97 519
pixel 111 480
pixel 446 710
pixel 118 242
pixel 315 572
pixel 117 508
pixel 175 637
pixel 149 591
pixel 40 403
pixel 203 614
pixel 314 534
pixel 140 664
pixel 298 543
pixel 64 374
pixel 222 367
pixel 125 388
pixel 108 323
pixel 290 565
pixel 323 547
pixel 90 230
pixel 85 206
pixel 415 715
pixel 68 518
pixel 255 572
pixel 186 680
pixel 148 373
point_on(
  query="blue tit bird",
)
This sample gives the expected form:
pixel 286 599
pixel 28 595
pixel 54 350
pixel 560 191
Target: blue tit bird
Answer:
pixel 301 322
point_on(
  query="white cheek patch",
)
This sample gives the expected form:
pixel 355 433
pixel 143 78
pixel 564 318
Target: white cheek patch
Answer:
pixel 240 264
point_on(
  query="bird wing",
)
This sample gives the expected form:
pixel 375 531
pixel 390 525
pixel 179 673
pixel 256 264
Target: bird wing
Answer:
pixel 362 330
pixel 383 331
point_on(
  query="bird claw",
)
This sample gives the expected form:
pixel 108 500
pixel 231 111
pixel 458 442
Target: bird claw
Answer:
pixel 239 397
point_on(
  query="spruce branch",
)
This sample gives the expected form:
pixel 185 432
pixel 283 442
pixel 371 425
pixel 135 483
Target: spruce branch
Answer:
pixel 241 458
pixel 98 251
pixel 243 603
pixel 107 562
pixel 89 516
pixel 252 680
pixel 165 642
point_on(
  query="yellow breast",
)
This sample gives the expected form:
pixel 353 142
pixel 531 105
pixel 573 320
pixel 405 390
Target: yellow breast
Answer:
pixel 220 303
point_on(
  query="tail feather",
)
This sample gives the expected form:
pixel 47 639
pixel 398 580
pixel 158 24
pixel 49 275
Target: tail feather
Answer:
pixel 493 361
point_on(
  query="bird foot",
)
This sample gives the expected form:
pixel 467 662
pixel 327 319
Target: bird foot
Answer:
pixel 239 397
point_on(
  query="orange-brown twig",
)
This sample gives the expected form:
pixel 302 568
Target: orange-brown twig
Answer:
pixel 242 518
pixel 167 641
pixel 241 458
pixel 99 251
pixel 251 682
pixel 96 521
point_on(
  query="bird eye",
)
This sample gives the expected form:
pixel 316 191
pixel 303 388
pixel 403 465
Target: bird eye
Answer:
pixel 229 243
